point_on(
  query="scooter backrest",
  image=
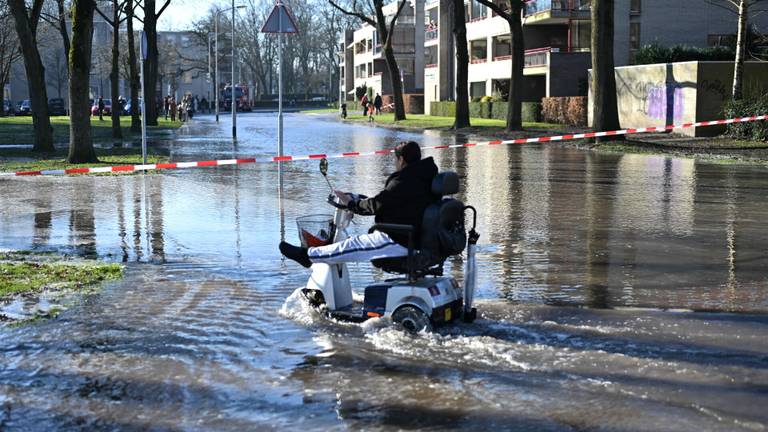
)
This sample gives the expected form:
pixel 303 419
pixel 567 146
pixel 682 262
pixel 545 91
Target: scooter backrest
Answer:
pixel 445 183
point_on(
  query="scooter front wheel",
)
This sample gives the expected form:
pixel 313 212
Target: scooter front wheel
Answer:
pixel 411 319
pixel 314 297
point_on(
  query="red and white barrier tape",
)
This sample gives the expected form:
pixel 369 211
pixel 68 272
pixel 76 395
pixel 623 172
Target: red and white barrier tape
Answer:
pixel 176 165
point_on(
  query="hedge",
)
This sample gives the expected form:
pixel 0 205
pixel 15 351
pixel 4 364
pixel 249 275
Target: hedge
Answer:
pixel 756 131
pixel 443 109
pixel 655 53
pixel 565 110
pixel 489 110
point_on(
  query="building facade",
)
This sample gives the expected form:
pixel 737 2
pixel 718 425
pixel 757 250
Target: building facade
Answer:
pixel 557 43
pixel 362 62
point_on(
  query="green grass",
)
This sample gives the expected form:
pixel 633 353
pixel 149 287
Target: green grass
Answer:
pixel 19 130
pixel 434 122
pixel 12 160
pixel 23 275
pixel 321 111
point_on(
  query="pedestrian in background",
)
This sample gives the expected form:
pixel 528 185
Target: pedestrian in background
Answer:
pixel 101 108
pixel 172 108
pixel 364 103
pixel 377 103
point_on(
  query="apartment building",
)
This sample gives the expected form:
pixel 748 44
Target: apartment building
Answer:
pixel 556 35
pixel 557 43
pixel 362 59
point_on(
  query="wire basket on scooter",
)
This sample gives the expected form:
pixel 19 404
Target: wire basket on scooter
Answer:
pixel 315 230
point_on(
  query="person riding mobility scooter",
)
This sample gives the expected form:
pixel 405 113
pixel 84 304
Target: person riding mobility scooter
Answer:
pixel 422 296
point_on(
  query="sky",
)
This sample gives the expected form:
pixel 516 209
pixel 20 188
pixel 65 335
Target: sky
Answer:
pixel 181 13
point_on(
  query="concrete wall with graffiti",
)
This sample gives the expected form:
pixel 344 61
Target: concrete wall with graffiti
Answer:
pixel 674 93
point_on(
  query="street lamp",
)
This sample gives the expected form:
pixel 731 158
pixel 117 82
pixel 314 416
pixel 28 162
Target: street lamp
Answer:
pixel 216 54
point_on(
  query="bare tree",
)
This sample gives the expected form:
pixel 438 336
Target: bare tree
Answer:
pixel 9 51
pixel 80 144
pixel 386 31
pixel 605 113
pixel 57 17
pixel 151 71
pixel 27 21
pixel 118 17
pixel 743 8
pixel 133 67
pixel 512 11
pixel 462 65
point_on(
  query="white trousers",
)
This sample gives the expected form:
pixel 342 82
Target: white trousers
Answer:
pixel 364 247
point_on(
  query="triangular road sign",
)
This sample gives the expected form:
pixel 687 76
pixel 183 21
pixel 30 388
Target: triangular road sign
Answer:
pixel 280 20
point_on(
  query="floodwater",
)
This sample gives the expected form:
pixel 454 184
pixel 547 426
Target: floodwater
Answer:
pixel 617 292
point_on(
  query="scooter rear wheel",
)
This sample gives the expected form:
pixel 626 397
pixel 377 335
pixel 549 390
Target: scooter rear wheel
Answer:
pixel 411 319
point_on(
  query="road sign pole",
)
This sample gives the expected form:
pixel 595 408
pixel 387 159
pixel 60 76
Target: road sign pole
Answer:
pixel 280 21
pixel 143 100
pixel 280 94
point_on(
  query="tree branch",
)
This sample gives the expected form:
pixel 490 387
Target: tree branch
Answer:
pixel 162 9
pixel 392 23
pixel 109 21
pixel 496 8
pixel 359 15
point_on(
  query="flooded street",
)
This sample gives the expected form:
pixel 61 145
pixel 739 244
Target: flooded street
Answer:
pixel 616 292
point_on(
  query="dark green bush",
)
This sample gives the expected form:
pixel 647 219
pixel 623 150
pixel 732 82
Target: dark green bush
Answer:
pixel 443 109
pixel 755 131
pixel 531 111
pixel 655 53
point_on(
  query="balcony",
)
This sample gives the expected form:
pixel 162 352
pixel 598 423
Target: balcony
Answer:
pixel 430 34
pixel 556 11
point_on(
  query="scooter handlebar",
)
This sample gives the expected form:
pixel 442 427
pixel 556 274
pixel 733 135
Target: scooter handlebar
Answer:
pixel 336 202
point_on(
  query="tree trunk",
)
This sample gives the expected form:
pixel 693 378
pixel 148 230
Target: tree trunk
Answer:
pixel 114 75
pixel 462 66
pixel 389 55
pixel 151 64
pixel 63 29
pixel 38 95
pixel 605 115
pixel 741 45
pixel 134 70
pixel 80 144
pixel 515 97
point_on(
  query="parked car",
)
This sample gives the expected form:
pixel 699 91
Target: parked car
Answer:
pixel 107 107
pixel 8 108
pixel 25 108
pixel 127 107
pixel 56 107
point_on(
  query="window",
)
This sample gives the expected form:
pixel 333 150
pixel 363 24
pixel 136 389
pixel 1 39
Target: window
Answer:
pixel 476 90
pixel 721 40
pixel 478 11
pixel 634 36
pixel 634 6
pixel 478 51
pixel 502 47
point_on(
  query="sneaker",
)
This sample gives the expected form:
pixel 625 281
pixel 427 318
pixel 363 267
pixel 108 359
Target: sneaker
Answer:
pixel 298 254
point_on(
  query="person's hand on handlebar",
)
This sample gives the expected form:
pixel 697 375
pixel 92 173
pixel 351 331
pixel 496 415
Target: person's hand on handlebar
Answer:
pixel 344 197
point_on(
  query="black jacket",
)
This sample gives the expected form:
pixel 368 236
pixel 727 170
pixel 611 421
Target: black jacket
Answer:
pixel 406 195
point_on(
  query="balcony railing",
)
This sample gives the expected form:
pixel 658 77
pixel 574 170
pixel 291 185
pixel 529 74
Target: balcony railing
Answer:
pixel 430 34
pixel 538 6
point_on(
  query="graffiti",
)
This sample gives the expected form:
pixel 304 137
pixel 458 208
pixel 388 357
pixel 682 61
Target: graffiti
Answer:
pixel 715 86
pixel 665 100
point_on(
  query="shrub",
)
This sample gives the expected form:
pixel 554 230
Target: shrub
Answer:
pixel 443 109
pixel 655 53
pixel 565 110
pixel 486 99
pixel 756 131
pixel 531 111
